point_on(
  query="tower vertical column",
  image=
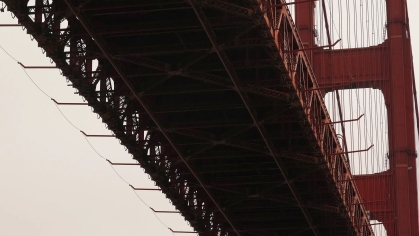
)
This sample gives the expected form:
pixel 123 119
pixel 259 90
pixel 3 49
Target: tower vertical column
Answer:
pixel 399 100
pixel 304 21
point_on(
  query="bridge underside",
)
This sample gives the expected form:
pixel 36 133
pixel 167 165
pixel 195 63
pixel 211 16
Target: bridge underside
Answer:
pixel 227 138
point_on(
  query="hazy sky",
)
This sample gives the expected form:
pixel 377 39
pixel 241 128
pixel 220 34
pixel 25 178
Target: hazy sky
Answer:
pixel 51 181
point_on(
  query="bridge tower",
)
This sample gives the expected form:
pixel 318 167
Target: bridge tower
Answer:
pixel 394 201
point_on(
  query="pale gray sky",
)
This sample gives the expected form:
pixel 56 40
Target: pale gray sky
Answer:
pixel 51 181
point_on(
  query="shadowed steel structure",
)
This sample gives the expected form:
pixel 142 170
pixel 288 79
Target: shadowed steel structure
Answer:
pixel 222 103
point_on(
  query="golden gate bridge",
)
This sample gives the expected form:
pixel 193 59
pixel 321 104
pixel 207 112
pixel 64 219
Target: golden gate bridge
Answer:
pixel 252 117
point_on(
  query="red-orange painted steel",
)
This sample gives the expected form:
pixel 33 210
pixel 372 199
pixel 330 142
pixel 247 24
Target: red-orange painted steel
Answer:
pixel 354 60
pixel 401 120
pixel 378 202
pixel 188 175
pixel 399 211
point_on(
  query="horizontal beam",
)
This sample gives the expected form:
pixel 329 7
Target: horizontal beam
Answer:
pixel 364 67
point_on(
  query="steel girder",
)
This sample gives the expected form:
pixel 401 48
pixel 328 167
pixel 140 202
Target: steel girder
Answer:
pixel 276 123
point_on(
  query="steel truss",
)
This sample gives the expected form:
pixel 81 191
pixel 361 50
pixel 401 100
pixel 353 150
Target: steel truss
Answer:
pixel 217 106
